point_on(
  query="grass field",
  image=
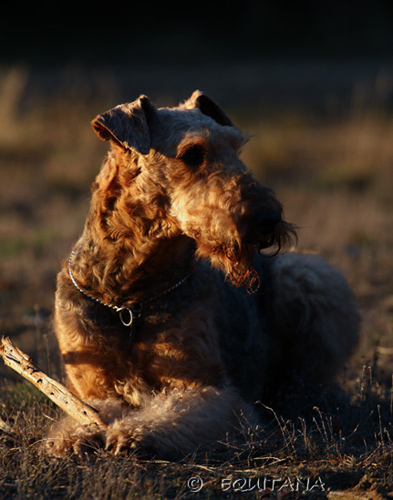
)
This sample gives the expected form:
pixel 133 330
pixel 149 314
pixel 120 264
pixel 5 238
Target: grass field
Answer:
pixel 334 174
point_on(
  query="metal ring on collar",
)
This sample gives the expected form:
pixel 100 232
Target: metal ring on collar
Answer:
pixel 126 316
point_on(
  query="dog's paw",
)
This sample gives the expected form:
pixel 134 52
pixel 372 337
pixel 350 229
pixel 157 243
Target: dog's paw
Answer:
pixel 86 441
pixel 130 441
pixel 120 442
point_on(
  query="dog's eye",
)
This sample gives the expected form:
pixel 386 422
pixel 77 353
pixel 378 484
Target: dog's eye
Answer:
pixel 194 156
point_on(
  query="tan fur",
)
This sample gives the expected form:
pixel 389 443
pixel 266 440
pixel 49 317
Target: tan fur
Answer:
pixel 173 200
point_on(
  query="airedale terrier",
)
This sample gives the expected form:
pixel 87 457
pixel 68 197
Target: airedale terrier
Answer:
pixel 170 319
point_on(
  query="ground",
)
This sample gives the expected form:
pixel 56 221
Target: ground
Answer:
pixel 332 171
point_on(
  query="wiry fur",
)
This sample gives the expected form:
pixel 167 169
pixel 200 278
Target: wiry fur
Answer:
pixel 172 199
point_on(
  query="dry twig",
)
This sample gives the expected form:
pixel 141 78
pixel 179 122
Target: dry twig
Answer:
pixel 56 392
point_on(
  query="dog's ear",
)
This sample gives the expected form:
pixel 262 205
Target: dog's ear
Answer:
pixel 127 124
pixel 208 107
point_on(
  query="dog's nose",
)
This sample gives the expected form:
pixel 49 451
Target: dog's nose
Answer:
pixel 260 225
pixel 267 221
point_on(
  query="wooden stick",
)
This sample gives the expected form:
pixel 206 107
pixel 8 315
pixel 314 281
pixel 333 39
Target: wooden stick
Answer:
pixel 60 395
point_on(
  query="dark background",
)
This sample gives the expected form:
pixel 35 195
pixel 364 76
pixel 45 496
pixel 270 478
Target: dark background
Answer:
pixel 268 54
pixel 188 32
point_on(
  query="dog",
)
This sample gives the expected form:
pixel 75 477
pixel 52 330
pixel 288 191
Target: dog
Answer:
pixel 172 314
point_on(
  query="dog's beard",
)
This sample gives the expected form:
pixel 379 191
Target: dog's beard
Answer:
pixel 239 268
pixel 236 259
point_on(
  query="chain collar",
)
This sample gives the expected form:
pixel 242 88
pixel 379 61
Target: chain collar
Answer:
pixel 127 314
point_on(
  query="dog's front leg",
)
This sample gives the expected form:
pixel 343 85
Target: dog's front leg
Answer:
pixel 178 423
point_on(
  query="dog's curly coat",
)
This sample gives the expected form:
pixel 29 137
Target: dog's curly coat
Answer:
pixel 174 204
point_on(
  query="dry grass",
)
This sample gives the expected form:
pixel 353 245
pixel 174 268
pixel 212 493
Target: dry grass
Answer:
pixel 348 448
pixel 334 176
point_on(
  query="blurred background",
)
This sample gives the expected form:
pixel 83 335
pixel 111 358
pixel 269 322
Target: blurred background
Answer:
pixel 311 82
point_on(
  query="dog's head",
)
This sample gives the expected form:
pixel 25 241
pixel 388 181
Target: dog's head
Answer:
pixel 188 158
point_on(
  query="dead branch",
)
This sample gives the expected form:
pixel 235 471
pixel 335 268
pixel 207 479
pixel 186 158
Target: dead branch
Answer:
pixel 56 392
